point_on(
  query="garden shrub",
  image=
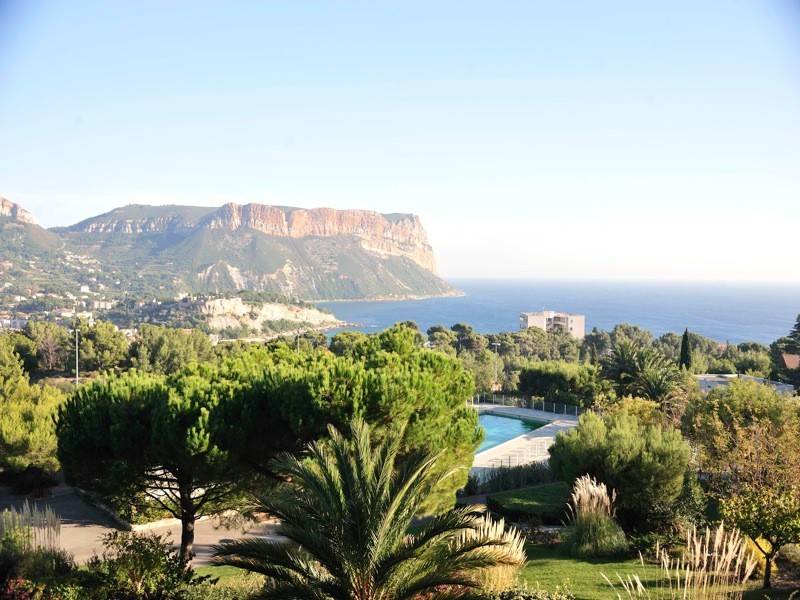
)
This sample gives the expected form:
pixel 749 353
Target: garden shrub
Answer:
pixel 31 479
pixel 562 382
pixel 540 505
pixel 140 567
pixel 537 594
pixel 501 479
pixel 241 588
pixel 644 463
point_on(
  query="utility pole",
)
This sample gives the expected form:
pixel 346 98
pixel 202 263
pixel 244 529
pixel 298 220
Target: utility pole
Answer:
pixel 75 320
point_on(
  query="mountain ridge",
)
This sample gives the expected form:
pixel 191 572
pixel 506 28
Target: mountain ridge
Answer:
pixel 312 254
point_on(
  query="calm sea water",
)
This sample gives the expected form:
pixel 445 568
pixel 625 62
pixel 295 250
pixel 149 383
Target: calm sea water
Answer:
pixel 724 312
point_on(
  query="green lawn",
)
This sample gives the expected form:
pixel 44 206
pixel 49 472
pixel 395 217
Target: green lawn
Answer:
pixel 223 573
pixel 546 500
pixel 549 568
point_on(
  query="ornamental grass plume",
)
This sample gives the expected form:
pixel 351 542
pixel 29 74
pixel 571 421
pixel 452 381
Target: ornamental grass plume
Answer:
pixel 593 531
pixel 715 565
pixel 33 527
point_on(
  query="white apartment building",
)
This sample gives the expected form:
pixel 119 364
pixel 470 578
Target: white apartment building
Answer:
pixel 551 320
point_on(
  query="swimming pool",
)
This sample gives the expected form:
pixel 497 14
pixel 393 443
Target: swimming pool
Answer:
pixel 501 429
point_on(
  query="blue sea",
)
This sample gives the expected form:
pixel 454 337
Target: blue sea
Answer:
pixel 722 311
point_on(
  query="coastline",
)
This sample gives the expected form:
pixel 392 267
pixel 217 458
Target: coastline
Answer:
pixel 403 298
pixel 288 333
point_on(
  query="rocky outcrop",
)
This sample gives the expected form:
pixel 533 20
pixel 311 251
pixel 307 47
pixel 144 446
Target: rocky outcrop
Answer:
pixel 394 235
pixel 221 313
pixel 16 212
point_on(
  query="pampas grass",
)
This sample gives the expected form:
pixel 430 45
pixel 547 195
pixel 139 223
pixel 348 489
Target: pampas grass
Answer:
pixel 34 528
pixel 715 565
pixel 593 531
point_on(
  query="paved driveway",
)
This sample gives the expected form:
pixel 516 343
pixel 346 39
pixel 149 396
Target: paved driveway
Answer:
pixel 83 526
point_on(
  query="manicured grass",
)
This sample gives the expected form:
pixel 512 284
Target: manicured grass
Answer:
pixel 224 573
pixel 550 567
pixel 547 500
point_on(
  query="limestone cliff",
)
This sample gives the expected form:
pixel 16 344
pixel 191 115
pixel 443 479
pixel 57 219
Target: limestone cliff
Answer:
pixel 222 313
pixel 312 254
pixel 15 212
pixel 389 235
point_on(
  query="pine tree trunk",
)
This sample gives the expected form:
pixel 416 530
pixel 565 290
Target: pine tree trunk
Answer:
pixel 188 517
pixel 187 536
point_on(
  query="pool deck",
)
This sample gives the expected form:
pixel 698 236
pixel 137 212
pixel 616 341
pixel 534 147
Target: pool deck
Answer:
pixel 524 449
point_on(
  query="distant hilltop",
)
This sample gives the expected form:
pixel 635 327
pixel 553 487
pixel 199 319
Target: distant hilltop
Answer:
pixel 15 212
pixel 310 254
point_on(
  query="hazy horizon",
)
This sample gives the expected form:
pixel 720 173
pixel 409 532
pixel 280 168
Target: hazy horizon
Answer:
pixel 632 142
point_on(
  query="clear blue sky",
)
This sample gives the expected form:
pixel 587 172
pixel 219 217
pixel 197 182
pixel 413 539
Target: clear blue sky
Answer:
pixel 536 139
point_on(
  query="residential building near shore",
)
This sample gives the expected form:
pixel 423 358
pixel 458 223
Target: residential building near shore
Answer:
pixel 551 321
pixel 709 381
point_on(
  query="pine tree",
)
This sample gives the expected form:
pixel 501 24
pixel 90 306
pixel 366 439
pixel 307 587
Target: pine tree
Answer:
pixel 686 351
pixel 794 337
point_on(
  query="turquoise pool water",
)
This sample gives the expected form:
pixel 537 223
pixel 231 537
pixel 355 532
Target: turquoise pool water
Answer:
pixel 501 429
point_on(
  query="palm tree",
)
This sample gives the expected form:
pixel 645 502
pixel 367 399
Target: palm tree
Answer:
pixel 621 365
pixel 346 516
pixel 657 377
pixel 643 372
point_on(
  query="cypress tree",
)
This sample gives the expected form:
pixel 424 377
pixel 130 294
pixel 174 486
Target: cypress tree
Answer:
pixel 686 351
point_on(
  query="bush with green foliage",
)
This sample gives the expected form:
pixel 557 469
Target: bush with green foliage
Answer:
pixel 500 479
pixel 23 347
pixel 246 587
pixel 645 463
pixel 526 594
pixel 715 421
pixel 166 350
pixel 27 433
pixel 543 504
pixel 560 381
pixel 102 347
pixel 139 567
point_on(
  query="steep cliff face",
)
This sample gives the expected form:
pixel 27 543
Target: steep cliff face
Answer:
pixel 15 212
pixel 388 235
pixel 393 235
pixel 313 254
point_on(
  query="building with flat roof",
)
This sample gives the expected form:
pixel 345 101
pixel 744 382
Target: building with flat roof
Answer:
pixel 709 381
pixel 552 321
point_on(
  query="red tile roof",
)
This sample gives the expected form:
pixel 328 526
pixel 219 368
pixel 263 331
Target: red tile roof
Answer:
pixel 792 361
